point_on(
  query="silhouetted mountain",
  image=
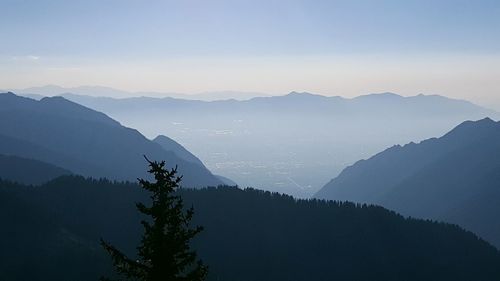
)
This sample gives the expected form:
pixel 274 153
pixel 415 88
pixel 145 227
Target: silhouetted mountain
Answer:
pixel 248 235
pixel 170 145
pixel 34 96
pixel 56 107
pixel 28 171
pixel 68 135
pixel 387 103
pixel 455 178
pixel 292 143
pixel 221 95
pixel 53 90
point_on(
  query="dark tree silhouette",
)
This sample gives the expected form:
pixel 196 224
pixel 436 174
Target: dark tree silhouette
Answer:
pixel 164 252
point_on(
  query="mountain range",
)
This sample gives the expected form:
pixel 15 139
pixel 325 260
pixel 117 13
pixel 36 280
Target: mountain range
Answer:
pixel 85 142
pixel 454 178
pixel 252 234
pixel 54 90
pixel 291 144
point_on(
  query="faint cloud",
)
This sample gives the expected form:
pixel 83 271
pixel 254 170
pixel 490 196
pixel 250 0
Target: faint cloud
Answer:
pixel 26 58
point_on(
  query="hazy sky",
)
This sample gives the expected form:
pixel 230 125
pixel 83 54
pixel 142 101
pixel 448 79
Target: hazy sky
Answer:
pixel 448 47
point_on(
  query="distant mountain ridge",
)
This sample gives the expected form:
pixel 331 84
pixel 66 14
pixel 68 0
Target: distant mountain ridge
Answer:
pixel 292 143
pixel 87 142
pixel 100 91
pixel 93 96
pixel 310 99
pixel 454 178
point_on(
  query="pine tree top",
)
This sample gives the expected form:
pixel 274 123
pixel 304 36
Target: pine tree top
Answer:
pixel 164 252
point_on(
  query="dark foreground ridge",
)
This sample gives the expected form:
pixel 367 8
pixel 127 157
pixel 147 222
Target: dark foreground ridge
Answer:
pixel 51 232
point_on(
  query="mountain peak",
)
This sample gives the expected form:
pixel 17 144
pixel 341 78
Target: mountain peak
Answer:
pixel 65 107
pixel 10 99
pixel 303 95
pixel 386 95
pixel 470 125
pixel 61 101
pixel 9 94
pixel 486 120
pixel 55 99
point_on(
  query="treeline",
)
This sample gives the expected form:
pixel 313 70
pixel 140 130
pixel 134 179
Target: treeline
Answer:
pixel 51 232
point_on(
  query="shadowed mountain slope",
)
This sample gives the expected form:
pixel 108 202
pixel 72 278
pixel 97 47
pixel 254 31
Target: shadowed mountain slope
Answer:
pixel 455 178
pixel 71 136
pixel 28 171
pixel 169 144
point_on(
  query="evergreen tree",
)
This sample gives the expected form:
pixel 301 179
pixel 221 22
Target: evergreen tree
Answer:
pixel 164 252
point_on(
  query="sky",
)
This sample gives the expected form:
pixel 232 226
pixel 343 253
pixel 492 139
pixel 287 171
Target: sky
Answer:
pixel 347 48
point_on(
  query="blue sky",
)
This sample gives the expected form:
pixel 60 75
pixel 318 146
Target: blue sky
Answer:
pixel 183 28
pixel 280 46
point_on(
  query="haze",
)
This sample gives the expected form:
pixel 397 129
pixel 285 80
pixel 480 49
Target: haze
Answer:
pixel 343 48
pixel 270 140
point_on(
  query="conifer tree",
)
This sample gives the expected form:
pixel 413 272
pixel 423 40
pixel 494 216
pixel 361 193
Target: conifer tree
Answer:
pixel 164 252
